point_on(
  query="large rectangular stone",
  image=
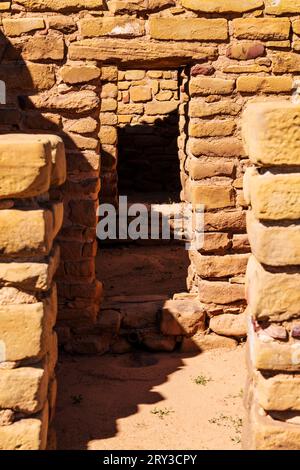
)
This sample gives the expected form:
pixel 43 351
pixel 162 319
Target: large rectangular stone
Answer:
pixel 25 330
pixel 223 147
pixel 210 86
pixel 282 7
pixel 185 29
pixel 274 245
pixel 212 196
pixel 277 392
pixel 267 353
pixel 61 5
pixel 261 28
pixel 220 292
pixel 285 62
pixel 137 52
pixel 199 108
pixel 221 6
pixel 182 317
pixel 271 133
pixel 271 295
pixel 24 389
pixel 25 166
pixel 219 266
pixel 254 84
pixel 112 26
pixel 272 195
pixel 25 233
pixel 262 432
pixel 18 26
pixel 31 276
pixel 26 434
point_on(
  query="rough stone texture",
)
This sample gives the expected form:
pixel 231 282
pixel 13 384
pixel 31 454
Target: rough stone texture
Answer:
pixel 229 325
pixel 275 127
pixel 272 295
pixel 277 392
pixel 182 317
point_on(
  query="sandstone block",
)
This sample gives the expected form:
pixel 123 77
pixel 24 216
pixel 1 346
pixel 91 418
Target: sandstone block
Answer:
pixel 219 266
pixel 199 108
pixel 274 196
pixel 274 245
pixel 24 389
pixel 282 7
pixel 267 353
pixel 112 26
pixel 283 62
pixel 229 220
pixel 44 47
pixel 245 50
pixel 199 168
pixel 182 317
pixel 26 434
pixel 79 74
pixel 161 107
pixel 270 132
pixel 210 86
pixel 108 135
pixel 131 6
pixel 25 233
pixel 28 76
pixel 203 342
pixel 212 196
pixel 220 293
pixel 255 84
pixel 30 276
pixel 18 26
pixel 229 325
pixel 25 331
pixel 192 29
pixel 215 243
pixel 211 128
pixel 265 433
pixel 61 5
pixel 261 28
pixel 76 101
pixel 140 94
pixel 223 147
pixel 25 163
pixel 277 392
pixel 221 6
pixel 271 295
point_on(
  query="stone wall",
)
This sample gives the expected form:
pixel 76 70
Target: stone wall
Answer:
pixel 229 52
pixel 29 257
pixel 272 188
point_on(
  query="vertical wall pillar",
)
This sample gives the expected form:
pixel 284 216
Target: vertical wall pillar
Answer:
pixel 29 222
pixel 272 188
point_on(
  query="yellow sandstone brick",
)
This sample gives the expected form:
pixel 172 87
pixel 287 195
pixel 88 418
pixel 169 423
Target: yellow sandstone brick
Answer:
pixel 79 74
pixel 261 28
pixel 211 128
pixel 274 196
pixel 61 5
pixel 111 26
pixel 140 94
pixel 24 389
pixel 221 6
pixel 26 434
pixel 273 296
pixel 210 86
pixel 16 27
pixel 25 233
pixel 213 196
pixel 188 29
pixel 277 392
pixel 251 84
pixel 271 132
pixel 282 7
pixel 25 166
pixel 274 245
pixel 219 266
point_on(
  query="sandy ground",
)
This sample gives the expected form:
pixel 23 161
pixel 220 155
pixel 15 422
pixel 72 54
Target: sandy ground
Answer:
pixel 151 401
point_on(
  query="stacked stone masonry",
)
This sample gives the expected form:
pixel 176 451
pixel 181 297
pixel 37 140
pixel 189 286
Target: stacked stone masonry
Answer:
pixel 271 135
pixel 30 219
pixel 65 64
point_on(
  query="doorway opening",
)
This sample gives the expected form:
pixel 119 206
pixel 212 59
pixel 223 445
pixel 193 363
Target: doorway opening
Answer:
pixel 140 275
